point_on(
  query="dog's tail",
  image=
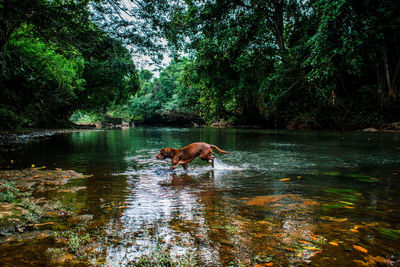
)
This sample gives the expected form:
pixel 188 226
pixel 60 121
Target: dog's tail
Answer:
pixel 220 150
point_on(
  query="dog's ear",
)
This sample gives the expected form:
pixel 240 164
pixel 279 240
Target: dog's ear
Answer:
pixel 168 152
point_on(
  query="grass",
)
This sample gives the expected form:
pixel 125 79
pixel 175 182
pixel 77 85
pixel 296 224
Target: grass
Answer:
pixel 30 213
pixel 9 193
pixel 389 233
pixel 160 256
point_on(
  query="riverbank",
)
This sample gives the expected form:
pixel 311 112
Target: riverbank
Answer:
pixel 11 139
pixel 23 136
pixel 35 204
pixel 22 202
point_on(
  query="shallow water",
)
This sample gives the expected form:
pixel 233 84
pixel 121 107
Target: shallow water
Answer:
pixel 281 197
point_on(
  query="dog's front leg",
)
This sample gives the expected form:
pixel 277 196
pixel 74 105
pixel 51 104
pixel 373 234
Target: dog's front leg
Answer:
pixel 175 162
pixel 185 167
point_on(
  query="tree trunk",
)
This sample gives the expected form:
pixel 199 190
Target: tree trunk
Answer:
pixel 278 23
pixel 391 91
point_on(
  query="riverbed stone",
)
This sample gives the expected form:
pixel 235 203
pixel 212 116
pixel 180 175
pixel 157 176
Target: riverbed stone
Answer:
pixel 370 129
pixel 23 206
pixel 75 220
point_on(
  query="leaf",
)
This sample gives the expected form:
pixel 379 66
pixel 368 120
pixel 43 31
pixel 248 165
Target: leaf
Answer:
pixel 327 207
pixel 339 190
pixel 357 175
pixel 309 202
pixel 334 243
pixel 285 179
pixel 40 224
pixel 354 230
pixel 311 248
pixel 334 219
pixel 331 173
pixel 305 242
pixel 389 233
pixel 374 180
pixel 265 222
pixel 264 264
pixel 38 168
pixel 263 200
pixel 360 249
pixel 347 203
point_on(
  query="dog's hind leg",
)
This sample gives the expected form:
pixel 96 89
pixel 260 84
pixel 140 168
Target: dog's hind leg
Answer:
pixel 211 159
pixel 208 157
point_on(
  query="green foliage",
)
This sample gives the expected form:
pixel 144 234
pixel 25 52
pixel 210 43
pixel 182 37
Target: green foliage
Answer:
pixel 160 256
pixel 110 75
pixel 55 60
pixel 31 212
pixel 39 82
pixel 76 242
pixel 173 91
pixel 319 64
pixel 82 117
pixel 389 233
pixel 304 64
pixel 8 191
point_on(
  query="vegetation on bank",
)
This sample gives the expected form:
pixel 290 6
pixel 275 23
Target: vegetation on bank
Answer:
pixel 279 64
pixel 55 60
pixel 26 214
pixel 20 207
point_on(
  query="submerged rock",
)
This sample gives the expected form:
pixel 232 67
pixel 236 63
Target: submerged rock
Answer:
pixel 37 179
pixel 21 205
pixel 370 129
pixel 79 219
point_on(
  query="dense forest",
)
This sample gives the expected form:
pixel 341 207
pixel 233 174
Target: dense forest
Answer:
pixel 313 64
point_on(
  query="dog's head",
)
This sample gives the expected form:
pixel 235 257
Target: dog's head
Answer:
pixel 165 153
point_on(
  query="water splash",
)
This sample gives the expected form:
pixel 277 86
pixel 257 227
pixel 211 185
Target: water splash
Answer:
pixel 221 165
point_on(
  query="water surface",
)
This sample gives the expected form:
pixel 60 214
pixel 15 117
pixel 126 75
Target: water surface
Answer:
pixel 281 197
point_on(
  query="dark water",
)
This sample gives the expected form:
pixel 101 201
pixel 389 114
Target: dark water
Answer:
pixel 280 197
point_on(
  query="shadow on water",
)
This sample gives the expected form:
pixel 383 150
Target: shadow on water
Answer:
pixel 279 198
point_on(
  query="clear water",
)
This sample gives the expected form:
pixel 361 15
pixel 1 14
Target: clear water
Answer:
pixel 281 197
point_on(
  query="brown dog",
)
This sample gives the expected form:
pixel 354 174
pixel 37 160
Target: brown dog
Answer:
pixel 185 155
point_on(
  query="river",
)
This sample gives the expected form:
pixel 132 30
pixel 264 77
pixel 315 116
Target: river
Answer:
pixel 279 198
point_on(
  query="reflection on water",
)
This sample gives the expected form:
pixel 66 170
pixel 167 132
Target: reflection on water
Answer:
pixel 280 197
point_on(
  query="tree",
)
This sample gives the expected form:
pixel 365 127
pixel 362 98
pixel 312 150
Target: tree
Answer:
pixel 60 63
pixel 173 92
pixel 321 63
